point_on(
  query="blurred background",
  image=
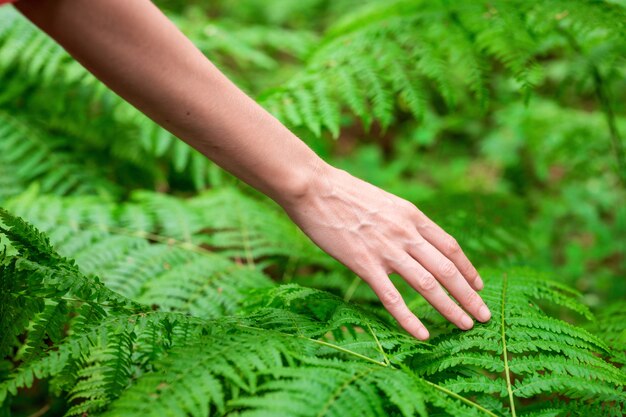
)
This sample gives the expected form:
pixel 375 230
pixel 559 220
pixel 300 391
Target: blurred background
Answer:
pixel 503 121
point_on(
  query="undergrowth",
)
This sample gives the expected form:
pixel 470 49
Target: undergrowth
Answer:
pixel 137 278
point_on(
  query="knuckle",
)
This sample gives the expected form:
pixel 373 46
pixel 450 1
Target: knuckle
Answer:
pixel 399 260
pixel 391 297
pixel 418 240
pixel 415 243
pixel 424 225
pixel 472 299
pixel 447 269
pixel 407 206
pixel 408 320
pixel 418 214
pixel 363 257
pixel 426 282
pixel 363 268
pixel 469 271
pixel 449 310
pixel 403 230
pixel 452 246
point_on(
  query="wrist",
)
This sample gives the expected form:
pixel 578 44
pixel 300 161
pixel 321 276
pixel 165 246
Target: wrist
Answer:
pixel 304 182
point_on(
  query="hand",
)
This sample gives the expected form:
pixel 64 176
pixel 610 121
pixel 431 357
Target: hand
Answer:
pixel 375 233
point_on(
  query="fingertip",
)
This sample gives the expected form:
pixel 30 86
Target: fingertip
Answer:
pixel 466 323
pixel 484 314
pixel 422 333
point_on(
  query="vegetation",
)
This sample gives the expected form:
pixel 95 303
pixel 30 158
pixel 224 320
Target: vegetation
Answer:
pixel 137 278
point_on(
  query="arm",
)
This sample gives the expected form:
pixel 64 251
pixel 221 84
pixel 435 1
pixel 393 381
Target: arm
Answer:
pixel 134 49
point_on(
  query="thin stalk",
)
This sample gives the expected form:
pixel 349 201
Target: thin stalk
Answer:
pixel 246 240
pixel 505 354
pixel 122 231
pixel 290 269
pixel 383 364
pixel 344 350
pixel 380 347
pixel 616 139
pixel 43 410
pixel 352 288
pixel 461 398
pixel 605 104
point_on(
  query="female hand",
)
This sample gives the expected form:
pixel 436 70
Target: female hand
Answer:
pixel 375 233
pixel 372 232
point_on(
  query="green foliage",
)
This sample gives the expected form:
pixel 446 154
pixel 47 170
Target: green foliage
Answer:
pixel 27 155
pixel 501 120
pixel 380 63
pixel 30 60
pixel 611 326
pixel 537 354
pixel 396 55
pixel 289 351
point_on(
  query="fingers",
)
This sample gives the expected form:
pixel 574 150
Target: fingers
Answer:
pixel 449 276
pixel 393 302
pixel 426 284
pixel 449 247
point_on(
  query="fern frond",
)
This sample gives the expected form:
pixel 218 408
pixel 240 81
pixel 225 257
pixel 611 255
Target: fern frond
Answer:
pixel 119 358
pixel 338 388
pixel 36 282
pixel 27 156
pixel 523 352
pixel 104 374
pixel 191 380
pixel 250 231
pixel 610 326
pixel 382 57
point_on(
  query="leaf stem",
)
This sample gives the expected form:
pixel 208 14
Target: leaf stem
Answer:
pixel 383 364
pixel 460 398
pixel 604 98
pixel 352 288
pixel 505 354
pixel 344 350
pixel 380 347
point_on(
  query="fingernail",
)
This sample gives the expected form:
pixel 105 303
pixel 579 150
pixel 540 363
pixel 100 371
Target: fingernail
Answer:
pixel 422 333
pixel 484 314
pixel 479 283
pixel 466 323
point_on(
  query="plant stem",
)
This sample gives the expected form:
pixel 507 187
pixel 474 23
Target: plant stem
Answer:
pixel 504 350
pixel 605 103
pixel 246 239
pixel 43 410
pixel 352 288
pixel 380 347
pixel 386 365
pixel 344 350
pixel 460 398
pixel 616 139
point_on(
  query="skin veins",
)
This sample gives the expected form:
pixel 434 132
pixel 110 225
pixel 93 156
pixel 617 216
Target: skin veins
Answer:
pixel 136 51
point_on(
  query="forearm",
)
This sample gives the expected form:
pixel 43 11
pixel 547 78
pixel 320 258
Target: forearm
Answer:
pixel 141 55
pixel 134 49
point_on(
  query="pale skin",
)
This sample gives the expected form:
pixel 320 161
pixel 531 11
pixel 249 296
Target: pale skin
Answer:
pixel 134 49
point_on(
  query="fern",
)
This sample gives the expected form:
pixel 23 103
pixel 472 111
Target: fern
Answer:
pixel 527 352
pixel 26 155
pixel 30 60
pixel 379 63
pixel 251 231
pixel 381 58
pixel 161 304
pixel 120 357
pixel 611 327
